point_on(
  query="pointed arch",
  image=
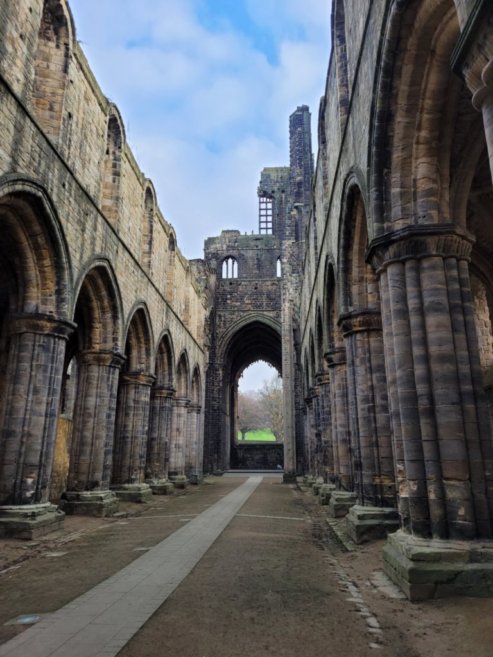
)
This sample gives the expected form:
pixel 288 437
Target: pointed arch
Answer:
pixel 112 164
pixel 164 361
pixel 340 51
pixel 51 65
pixel 148 226
pixel 139 341
pixel 98 307
pixel 196 391
pixel 35 263
pixel 183 376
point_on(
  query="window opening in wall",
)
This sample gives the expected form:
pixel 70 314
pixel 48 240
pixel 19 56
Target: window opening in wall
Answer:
pixel 265 215
pixel 260 413
pixel 278 268
pixel 230 268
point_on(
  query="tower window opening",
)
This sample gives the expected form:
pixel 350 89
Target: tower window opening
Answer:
pixel 230 268
pixel 278 268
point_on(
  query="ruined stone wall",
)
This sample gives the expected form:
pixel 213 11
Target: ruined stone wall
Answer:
pixel 63 154
pixel 387 262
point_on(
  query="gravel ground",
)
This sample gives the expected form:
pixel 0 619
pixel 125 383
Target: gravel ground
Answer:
pixel 276 582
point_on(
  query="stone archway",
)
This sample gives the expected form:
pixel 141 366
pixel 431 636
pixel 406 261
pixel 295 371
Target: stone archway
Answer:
pixel 252 339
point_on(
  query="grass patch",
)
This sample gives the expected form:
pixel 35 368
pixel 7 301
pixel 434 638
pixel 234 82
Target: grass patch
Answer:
pixel 258 436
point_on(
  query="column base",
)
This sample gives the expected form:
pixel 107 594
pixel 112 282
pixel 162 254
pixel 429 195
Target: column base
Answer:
pixel 367 523
pixel 325 493
pixel 340 503
pixel 431 568
pixel 30 520
pixel 139 493
pixel 289 478
pixel 195 478
pixel 180 482
pixel 98 503
pixel 161 487
pixel 308 480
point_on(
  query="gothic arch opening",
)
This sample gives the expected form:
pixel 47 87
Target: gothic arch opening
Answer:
pixel 132 415
pixel 83 455
pixel 51 66
pixel 112 165
pixel 34 284
pixel 253 340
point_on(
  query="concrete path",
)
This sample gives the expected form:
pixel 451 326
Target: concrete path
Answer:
pixel 100 622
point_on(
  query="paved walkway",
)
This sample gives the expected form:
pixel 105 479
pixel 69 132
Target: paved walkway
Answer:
pixel 100 622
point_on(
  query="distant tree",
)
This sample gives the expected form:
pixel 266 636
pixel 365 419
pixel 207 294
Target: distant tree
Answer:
pixel 271 400
pixel 250 413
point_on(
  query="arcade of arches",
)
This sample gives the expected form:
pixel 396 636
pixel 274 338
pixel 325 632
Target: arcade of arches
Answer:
pixel 370 291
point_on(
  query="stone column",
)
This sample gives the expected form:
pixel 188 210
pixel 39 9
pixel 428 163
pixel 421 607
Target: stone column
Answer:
pixel 131 433
pixel 343 474
pixel 371 447
pixel 327 455
pixel 309 435
pixel 92 435
pixel 178 442
pixel 159 439
pixel 444 444
pixel 483 102
pixel 30 405
pixel 194 445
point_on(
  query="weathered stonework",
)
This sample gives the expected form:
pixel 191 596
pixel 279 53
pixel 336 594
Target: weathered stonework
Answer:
pixel 94 290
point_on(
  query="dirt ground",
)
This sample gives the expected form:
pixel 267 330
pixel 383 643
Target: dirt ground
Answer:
pixel 276 582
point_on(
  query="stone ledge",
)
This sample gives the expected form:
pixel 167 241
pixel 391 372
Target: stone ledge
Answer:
pixel 367 523
pixel 30 521
pixel 431 568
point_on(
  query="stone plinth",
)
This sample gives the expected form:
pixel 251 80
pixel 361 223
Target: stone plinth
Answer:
pixel 98 503
pixel 133 492
pixel 432 568
pixel 340 503
pixel 289 478
pixel 30 521
pixel 316 487
pixel 366 523
pixel 164 487
pixel 325 493
pixel 179 481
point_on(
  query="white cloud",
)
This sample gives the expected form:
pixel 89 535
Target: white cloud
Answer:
pixel 205 109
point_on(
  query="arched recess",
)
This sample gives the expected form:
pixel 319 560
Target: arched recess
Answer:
pixel 112 166
pixel 148 226
pixel 83 457
pixel 180 434
pixel 336 363
pixel 51 65
pixel 254 338
pixel 35 285
pixel 170 270
pixel 340 51
pixel 195 447
pixel 422 148
pixel 361 323
pixel 161 416
pixel 132 418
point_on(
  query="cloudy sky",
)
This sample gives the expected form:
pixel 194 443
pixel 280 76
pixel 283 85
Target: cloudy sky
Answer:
pixel 205 88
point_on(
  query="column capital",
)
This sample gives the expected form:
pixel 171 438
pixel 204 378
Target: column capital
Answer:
pixel 195 408
pixel 359 321
pixel 182 402
pixel 163 391
pixel 42 325
pixel 104 358
pixel 420 241
pixel 335 357
pixel 138 378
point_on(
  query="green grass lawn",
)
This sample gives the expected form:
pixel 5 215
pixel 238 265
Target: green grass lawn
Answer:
pixel 259 436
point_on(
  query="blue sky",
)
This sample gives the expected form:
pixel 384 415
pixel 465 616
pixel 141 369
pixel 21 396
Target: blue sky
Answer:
pixel 205 88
